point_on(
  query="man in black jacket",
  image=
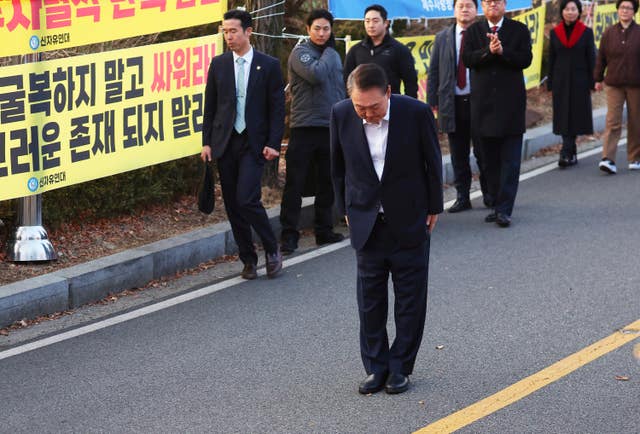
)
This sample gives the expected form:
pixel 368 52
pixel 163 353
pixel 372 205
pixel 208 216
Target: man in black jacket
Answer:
pixel 496 50
pixel 380 48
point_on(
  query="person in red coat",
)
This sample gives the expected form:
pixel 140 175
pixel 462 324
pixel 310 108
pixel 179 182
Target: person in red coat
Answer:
pixel 572 58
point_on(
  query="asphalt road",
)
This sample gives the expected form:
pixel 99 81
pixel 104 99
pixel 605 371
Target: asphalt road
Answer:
pixel 282 355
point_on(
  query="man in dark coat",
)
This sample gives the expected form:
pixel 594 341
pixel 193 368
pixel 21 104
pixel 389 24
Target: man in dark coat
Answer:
pixel 448 93
pixel 496 50
pixel 242 128
pixel 387 174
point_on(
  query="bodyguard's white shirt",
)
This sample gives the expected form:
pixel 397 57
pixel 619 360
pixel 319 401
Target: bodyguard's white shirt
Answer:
pixel 467 88
pixel 377 140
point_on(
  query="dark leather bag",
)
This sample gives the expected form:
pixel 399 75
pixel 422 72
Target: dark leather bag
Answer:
pixel 206 191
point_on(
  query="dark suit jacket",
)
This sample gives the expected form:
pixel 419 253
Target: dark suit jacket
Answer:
pixel 498 96
pixel 411 184
pixel 441 85
pixel 264 108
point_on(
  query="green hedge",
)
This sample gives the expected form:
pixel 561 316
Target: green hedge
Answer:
pixel 120 194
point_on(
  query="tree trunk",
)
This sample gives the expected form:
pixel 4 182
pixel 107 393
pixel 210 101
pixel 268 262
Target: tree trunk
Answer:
pixel 270 25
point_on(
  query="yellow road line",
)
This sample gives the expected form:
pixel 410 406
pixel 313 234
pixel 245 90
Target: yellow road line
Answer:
pixel 528 385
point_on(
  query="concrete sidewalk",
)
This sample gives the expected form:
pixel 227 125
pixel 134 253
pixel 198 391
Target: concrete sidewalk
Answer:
pixel 72 287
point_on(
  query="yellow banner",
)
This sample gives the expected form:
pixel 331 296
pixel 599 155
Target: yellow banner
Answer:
pixel 534 20
pixel 420 47
pixel 37 25
pixel 68 121
pixel 603 17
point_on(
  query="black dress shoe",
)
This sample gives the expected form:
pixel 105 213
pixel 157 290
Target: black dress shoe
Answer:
pixel 396 383
pixel 460 205
pixel 373 383
pixel 503 220
pixel 274 264
pixel 490 218
pixel 328 238
pixel 573 160
pixel 563 162
pixel 249 272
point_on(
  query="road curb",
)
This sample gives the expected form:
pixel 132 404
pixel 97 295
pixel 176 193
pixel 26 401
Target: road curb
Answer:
pixel 91 281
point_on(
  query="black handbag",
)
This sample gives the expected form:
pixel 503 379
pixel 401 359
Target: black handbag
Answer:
pixel 206 190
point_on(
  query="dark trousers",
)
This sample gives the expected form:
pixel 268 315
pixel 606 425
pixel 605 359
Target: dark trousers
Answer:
pixel 459 148
pixel 240 179
pixel 569 147
pixel 308 148
pixel 502 157
pixel 380 256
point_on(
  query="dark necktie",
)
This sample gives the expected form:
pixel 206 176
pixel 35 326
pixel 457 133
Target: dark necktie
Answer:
pixel 494 29
pixel 462 71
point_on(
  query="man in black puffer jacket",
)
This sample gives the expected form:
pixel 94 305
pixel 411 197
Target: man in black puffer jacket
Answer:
pixel 380 48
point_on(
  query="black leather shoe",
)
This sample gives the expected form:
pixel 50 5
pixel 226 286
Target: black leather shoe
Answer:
pixel 328 238
pixel 490 218
pixel 288 245
pixel 396 383
pixel 373 383
pixel 274 264
pixel 573 160
pixel 460 205
pixel 503 220
pixel 249 272
pixel 563 162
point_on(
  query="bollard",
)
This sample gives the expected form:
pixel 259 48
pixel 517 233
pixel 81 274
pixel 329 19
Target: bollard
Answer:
pixel 29 241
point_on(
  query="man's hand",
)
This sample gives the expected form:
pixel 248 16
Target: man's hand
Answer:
pixel 346 219
pixel 495 46
pixel 269 153
pixel 598 86
pixel 205 154
pixel 431 221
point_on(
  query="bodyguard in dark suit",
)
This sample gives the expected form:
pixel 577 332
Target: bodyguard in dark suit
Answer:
pixel 387 175
pixel 496 50
pixel 242 128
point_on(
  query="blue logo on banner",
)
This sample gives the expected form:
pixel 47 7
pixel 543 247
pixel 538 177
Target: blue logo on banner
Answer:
pixel 32 184
pixel 34 42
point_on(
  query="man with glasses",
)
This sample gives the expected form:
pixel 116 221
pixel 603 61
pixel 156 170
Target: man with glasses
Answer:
pixel 496 50
pixel 380 48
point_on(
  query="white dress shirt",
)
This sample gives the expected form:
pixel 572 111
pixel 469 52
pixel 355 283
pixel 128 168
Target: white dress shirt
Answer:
pixel 377 140
pixel 498 24
pixel 467 89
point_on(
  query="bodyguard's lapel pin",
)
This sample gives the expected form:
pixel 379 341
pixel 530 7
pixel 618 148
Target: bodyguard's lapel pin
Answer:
pixel 258 68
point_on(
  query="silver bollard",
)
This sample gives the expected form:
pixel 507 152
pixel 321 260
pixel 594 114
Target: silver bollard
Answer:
pixel 29 241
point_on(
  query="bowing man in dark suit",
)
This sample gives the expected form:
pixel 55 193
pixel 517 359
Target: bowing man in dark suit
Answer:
pixel 243 127
pixel 496 50
pixel 387 175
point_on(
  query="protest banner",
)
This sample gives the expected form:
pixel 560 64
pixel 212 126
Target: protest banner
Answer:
pixel 72 120
pixel 37 25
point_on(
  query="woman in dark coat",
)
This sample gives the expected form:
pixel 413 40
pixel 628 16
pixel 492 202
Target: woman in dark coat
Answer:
pixel 570 79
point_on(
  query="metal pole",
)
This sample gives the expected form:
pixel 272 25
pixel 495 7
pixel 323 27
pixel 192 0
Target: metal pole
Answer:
pixel 29 241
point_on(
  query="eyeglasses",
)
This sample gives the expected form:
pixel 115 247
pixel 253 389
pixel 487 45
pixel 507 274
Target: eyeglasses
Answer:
pixel 489 2
pixel 625 8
